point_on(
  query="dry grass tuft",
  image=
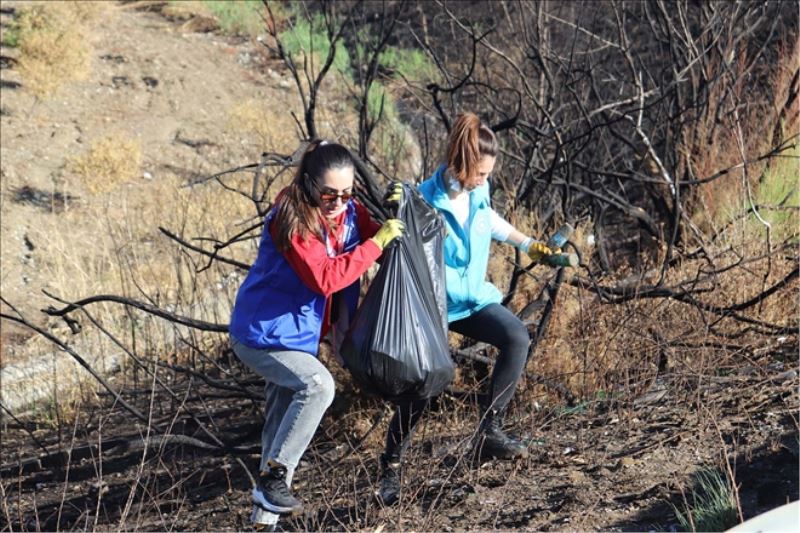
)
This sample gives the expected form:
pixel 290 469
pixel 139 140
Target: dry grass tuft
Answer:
pixel 183 11
pixel 89 12
pixel 237 18
pixel 111 244
pixel 273 131
pixel 109 162
pixel 618 349
pixel 54 45
pixel 715 143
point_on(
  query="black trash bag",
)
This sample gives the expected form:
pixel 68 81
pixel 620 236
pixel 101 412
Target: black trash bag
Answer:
pixel 396 346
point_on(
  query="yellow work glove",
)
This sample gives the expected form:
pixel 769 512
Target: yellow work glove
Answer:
pixel 539 250
pixel 394 193
pixel 391 229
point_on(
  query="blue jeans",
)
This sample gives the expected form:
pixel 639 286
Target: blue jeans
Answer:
pixel 298 390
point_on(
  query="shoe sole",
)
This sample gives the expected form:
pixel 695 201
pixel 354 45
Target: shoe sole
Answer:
pixel 263 520
pixel 272 508
pixel 481 456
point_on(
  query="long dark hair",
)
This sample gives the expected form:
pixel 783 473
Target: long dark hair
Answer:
pixel 469 142
pixel 298 211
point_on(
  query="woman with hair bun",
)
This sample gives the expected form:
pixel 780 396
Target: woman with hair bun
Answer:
pixel 459 189
pixel 317 242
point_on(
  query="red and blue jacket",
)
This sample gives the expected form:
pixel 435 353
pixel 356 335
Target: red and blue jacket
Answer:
pixel 285 301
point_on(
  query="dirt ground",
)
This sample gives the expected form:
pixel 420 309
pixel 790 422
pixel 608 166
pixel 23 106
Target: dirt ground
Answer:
pixel 615 464
pixel 152 81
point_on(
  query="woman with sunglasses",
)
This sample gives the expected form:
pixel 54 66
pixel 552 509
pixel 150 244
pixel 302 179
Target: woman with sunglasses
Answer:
pixel 316 243
pixel 459 189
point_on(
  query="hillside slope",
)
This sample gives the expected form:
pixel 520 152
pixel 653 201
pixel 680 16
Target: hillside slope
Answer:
pixel 615 461
pixel 179 105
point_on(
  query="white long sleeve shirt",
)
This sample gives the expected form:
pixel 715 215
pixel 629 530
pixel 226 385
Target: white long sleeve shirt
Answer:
pixel 501 228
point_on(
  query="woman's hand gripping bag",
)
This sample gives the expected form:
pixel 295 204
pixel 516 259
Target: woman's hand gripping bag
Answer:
pixel 396 346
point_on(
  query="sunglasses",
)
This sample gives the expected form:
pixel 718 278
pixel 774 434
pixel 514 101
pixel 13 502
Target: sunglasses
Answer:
pixel 330 197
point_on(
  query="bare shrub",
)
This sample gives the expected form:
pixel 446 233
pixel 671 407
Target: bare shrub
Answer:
pixel 53 38
pixel 269 127
pixel 108 163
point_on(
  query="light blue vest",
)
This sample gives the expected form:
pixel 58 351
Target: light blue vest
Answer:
pixel 274 309
pixel 466 257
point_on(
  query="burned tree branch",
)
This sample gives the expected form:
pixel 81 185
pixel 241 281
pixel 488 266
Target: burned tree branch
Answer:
pixel 212 255
pixel 130 302
pixel 78 358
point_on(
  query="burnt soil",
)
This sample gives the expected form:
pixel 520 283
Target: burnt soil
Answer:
pixel 617 463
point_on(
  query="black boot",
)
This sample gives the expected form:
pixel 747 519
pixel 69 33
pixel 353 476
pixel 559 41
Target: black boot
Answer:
pixel 493 443
pixel 389 480
pixel 273 494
